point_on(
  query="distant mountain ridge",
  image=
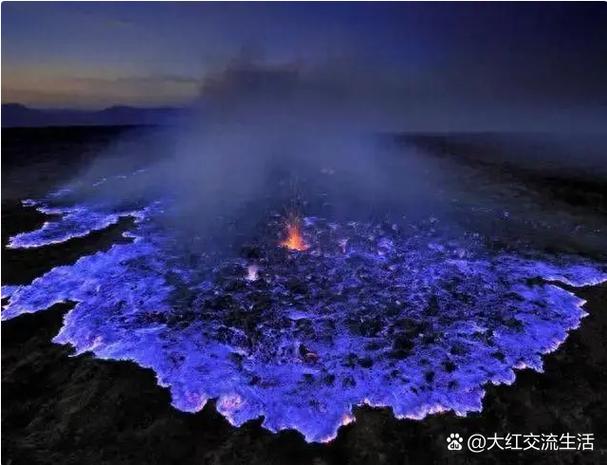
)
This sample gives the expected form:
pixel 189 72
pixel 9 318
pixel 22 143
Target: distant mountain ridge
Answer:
pixel 18 115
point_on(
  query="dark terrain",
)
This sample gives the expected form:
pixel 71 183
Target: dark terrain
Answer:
pixel 15 115
pixel 79 410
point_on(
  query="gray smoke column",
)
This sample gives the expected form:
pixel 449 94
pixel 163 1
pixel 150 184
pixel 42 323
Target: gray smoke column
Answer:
pixel 264 138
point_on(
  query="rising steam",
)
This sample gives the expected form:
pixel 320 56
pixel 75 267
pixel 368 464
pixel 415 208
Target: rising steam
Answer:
pixel 261 138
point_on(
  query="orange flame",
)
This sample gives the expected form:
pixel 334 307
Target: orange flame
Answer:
pixel 294 240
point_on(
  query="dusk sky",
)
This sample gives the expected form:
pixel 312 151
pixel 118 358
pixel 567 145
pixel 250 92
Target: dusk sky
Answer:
pixel 530 58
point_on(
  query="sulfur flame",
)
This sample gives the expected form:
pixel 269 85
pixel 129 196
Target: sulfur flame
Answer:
pixel 252 273
pixel 294 240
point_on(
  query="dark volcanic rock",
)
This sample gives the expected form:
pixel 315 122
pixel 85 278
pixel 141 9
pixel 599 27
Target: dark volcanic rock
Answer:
pixel 118 415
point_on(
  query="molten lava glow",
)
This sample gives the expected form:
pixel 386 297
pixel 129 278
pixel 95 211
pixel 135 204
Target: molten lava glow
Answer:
pixel 294 240
pixel 416 321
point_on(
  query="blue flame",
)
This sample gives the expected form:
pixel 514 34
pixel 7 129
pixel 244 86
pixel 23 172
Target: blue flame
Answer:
pixel 370 314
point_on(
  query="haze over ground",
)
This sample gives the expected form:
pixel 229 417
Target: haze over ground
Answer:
pixel 445 67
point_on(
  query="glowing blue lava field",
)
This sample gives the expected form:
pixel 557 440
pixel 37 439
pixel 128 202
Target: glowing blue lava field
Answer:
pixel 412 316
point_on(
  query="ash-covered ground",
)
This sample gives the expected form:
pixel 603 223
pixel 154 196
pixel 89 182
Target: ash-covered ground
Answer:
pixel 476 304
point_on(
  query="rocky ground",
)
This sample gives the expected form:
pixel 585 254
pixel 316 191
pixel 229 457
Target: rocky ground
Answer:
pixel 80 410
pixel 61 409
